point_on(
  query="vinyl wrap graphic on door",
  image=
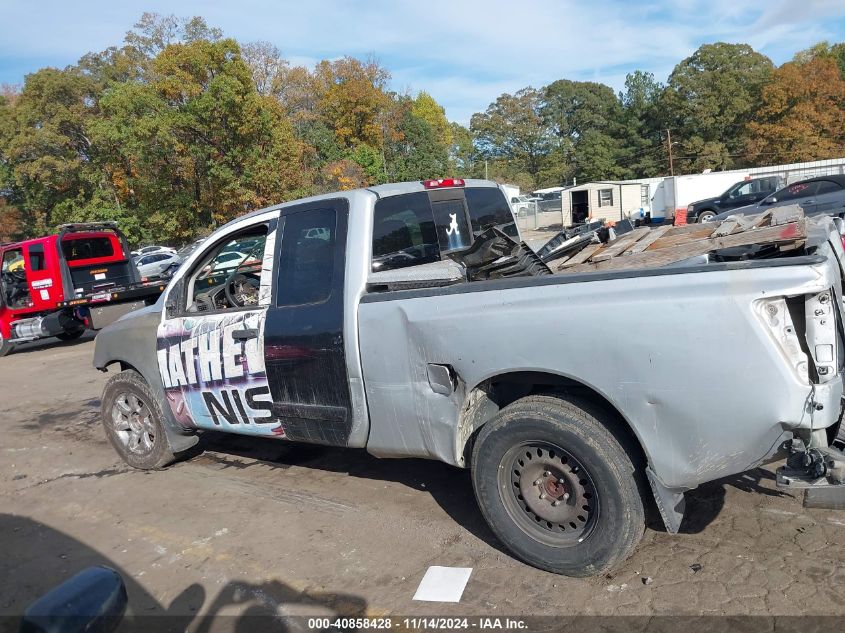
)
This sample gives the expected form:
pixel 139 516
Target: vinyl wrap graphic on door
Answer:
pixel 214 381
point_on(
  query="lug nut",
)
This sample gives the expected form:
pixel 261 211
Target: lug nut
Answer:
pixel 561 480
pixel 565 496
pixel 542 495
pixel 538 481
pixel 547 473
pixel 556 503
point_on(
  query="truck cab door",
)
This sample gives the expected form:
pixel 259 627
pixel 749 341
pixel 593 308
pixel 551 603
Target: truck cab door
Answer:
pixel 210 342
pixel 303 336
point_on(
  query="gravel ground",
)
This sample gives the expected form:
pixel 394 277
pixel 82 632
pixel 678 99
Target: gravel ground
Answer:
pixel 246 523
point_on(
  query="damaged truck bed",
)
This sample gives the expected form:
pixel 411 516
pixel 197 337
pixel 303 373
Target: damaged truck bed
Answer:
pixel 408 319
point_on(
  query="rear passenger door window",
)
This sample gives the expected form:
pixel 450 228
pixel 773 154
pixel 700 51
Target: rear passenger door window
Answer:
pixel 404 233
pixel 306 260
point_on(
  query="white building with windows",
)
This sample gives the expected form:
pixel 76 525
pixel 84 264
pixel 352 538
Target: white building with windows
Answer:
pixel 610 200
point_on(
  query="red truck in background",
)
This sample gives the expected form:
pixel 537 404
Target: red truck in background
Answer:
pixel 60 285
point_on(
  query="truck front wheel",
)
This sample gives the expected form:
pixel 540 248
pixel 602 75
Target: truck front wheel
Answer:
pixel 134 423
pixel 557 487
pixel 5 347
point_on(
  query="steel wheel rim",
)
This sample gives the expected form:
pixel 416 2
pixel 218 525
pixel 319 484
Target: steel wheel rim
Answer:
pixel 549 494
pixel 132 423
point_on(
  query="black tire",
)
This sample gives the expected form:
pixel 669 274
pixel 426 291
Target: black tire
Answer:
pixel 583 526
pixel 70 336
pixel 140 441
pixel 706 216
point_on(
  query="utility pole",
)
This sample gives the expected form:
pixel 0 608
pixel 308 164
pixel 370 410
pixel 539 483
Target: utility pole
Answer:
pixel 485 170
pixel 669 142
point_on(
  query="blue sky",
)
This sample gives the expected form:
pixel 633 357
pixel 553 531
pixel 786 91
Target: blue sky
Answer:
pixel 465 53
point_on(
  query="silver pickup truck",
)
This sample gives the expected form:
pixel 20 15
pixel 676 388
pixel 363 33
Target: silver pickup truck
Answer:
pixel 349 319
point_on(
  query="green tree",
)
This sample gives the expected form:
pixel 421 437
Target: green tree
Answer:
pixel 49 157
pixel 462 153
pixel 371 161
pixel 588 120
pixel 198 145
pixel 513 129
pixel 413 151
pixel 709 100
pixel 427 109
pixel 643 153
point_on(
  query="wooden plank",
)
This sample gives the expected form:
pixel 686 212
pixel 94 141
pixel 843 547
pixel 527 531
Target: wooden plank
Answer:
pixel 726 227
pixel 654 258
pixel 673 239
pixel 618 246
pixel 649 239
pixel 761 219
pixel 583 255
pixel 786 214
pixel 689 228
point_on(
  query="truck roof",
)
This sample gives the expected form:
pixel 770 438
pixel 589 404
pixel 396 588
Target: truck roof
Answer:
pixel 381 191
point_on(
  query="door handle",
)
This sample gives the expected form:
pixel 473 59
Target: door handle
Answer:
pixel 244 335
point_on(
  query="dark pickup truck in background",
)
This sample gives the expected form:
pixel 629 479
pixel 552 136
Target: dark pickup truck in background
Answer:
pixel 739 194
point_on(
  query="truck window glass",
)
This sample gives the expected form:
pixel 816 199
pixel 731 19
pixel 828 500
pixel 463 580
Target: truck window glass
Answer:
pixel 451 221
pixel 403 232
pixel 488 208
pixel 238 260
pixel 87 248
pixel 15 286
pixel 306 259
pixel 36 257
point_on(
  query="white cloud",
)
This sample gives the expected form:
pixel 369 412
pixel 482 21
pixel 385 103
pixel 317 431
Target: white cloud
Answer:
pixel 464 53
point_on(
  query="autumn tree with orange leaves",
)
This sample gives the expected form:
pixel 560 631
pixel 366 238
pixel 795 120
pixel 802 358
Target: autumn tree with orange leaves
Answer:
pixel 802 114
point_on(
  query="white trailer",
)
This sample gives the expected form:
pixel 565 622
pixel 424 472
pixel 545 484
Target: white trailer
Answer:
pixel 676 192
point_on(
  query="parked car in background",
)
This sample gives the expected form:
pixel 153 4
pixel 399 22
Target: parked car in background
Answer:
pixel 824 195
pixel 523 205
pixel 149 250
pixel 152 265
pixel 740 194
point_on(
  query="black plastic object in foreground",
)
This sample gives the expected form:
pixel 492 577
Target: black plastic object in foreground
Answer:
pixel 494 255
pixel 92 601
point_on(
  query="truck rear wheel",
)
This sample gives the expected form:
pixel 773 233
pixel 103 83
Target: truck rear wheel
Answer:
pixel 557 487
pixel 134 422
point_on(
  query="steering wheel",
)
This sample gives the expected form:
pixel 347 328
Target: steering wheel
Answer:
pixel 239 290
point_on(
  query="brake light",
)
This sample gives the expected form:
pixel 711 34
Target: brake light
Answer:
pixel 443 182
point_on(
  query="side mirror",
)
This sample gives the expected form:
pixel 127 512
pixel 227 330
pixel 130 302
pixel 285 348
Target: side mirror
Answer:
pixel 93 600
pixel 174 298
